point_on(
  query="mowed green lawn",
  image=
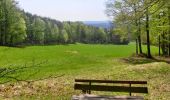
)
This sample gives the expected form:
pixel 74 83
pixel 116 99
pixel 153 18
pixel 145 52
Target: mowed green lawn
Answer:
pixel 63 58
pixel 80 61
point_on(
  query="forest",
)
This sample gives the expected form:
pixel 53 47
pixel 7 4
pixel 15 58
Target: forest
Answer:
pixel 146 21
pixel 22 28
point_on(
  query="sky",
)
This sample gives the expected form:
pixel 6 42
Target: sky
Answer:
pixel 67 10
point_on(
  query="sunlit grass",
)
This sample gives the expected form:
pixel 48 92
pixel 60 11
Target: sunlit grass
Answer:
pixel 80 61
pixel 62 58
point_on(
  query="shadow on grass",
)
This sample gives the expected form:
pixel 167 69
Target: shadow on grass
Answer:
pixel 144 60
pixel 17 74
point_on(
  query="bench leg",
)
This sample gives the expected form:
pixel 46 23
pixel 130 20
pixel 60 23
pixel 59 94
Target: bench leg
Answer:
pixel 84 91
pixel 89 92
pixel 130 90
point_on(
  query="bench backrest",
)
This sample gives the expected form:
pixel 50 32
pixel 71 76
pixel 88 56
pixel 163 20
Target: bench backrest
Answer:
pixel 87 85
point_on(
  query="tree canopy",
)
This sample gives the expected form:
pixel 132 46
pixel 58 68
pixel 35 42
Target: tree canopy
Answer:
pixel 21 28
pixel 145 21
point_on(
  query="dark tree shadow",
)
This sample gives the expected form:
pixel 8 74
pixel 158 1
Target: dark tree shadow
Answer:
pixel 144 60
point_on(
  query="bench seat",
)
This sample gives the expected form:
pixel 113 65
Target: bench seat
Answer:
pixel 97 97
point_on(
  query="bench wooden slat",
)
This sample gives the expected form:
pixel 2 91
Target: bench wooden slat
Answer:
pixel 111 88
pixel 111 81
pixel 98 97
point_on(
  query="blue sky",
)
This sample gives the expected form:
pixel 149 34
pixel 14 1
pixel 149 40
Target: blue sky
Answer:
pixel 67 10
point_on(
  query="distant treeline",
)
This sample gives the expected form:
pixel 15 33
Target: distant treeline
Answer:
pixel 42 30
pixel 20 28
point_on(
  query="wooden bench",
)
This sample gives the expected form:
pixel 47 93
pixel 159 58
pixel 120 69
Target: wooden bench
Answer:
pixel 98 97
pixel 109 85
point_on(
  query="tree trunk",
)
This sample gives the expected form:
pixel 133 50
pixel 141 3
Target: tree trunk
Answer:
pixel 147 34
pixel 164 41
pixel 1 24
pixel 159 45
pixel 1 33
pixel 11 40
pixel 136 46
pixel 5 25
pixel 139 38
pixel 159 38
pixel 137 52
pixel 3 8
pixel 163 46
pixel 169 28
pixel 140 44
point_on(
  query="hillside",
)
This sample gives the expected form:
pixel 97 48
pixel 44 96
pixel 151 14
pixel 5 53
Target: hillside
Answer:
pixel 103 24
pixel 59 65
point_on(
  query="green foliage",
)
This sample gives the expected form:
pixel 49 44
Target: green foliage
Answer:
pixel 137 17
pixel 63 36
pixel 13 29
pixel 38 30
pixel 102 35
pixel 53 32
pixel 18 27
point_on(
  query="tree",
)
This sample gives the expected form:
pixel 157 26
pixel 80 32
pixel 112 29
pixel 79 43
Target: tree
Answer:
pixel 12 24
pixel 55 31
pixel 17 30
pixel 119 11
pixel 48 37
pixel 63 36
pixel 147 32
pixel 133 13
pixel 102 35
pixel 19 27
pixel 38 30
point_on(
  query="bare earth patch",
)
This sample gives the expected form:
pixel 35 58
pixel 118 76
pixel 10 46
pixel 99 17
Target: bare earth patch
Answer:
pixel 72 52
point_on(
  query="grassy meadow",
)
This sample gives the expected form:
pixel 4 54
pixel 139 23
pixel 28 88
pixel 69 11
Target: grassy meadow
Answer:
pixel 59 65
